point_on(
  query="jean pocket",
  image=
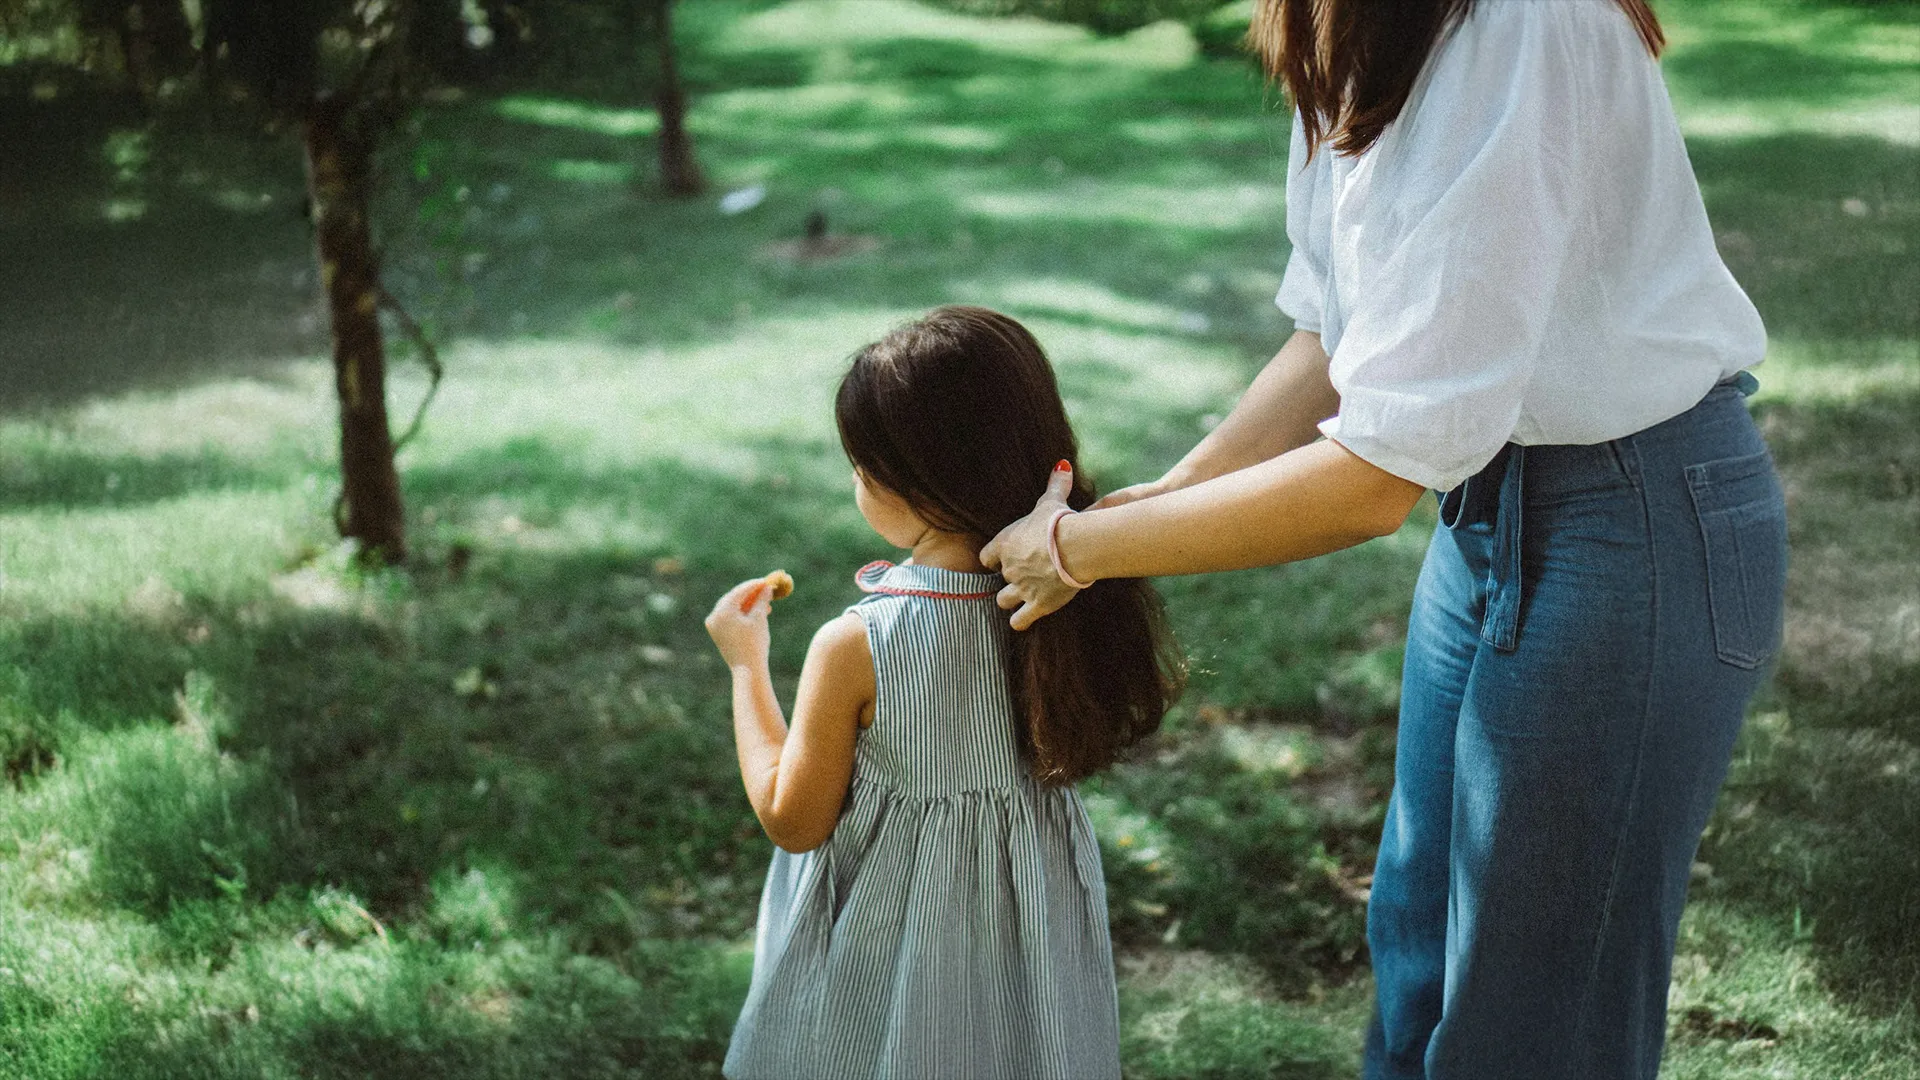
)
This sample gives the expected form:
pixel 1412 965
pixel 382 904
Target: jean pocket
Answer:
pixel 1743 524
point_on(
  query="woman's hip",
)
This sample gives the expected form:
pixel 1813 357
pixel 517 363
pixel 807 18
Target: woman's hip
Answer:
pixel 1669 543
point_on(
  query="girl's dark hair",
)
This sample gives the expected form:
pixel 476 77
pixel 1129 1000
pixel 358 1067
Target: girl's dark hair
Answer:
pixel 958 414
pixel 1350 65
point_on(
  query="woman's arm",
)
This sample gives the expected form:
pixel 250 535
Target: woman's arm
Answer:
pixel 1279 412
pixel 796 778
pixel 1308 501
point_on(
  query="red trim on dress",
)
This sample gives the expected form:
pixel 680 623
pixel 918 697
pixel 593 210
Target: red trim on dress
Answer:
pixel 882 564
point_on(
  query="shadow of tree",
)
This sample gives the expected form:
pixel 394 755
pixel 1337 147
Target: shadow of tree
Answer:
pixel 73 480
pixel 152 251
pixel 1759 70
pixel 1818 230
pixel 958 170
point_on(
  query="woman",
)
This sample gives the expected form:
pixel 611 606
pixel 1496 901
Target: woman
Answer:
pixel 1504 289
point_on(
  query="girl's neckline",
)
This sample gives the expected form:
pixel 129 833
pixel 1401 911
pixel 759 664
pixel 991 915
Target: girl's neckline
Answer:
pixel 933 582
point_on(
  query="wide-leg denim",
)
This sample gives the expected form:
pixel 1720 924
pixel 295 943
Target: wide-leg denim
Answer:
pixel 1589 624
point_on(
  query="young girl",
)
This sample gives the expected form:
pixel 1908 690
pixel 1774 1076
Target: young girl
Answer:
pixel 936 908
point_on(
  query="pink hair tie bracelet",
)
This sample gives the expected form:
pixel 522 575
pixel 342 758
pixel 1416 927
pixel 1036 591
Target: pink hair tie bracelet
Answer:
pixel 1053 547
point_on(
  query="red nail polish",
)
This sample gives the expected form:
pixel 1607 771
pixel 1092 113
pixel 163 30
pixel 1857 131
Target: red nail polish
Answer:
pixel 1064 466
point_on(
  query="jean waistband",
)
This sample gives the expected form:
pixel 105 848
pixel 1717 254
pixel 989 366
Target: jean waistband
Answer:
pixel 1496 495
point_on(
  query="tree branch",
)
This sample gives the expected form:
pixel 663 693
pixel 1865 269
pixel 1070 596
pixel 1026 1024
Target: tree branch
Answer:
pixel 429 356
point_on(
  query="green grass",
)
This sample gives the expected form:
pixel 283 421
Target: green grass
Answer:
pixel 268 815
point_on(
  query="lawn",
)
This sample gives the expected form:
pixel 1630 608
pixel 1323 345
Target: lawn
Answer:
pixel 268 814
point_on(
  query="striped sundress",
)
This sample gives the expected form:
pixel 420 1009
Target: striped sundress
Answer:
pixel 955 923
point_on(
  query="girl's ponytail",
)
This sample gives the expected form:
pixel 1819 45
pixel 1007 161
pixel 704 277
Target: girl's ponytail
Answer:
pixel 1093 678
pixel 958 414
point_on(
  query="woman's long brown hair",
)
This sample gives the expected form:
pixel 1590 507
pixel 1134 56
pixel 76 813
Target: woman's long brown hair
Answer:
pixel 958 414
pixel 1350 65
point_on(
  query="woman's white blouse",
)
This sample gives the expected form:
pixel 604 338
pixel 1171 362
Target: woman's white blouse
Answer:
pixel 1523 256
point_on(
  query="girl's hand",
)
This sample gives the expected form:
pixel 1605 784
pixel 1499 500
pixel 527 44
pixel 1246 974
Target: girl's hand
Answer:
pixel 1020 554
pixel 738 622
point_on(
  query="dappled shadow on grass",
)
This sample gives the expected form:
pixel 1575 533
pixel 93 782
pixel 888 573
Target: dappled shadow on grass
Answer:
pixel 453 802
pixel 928 134
pixel 555 231
pixel 627 270
pixel 1220 838
pixel 568 240
pixel 1758 70
pixel 528 754
pixel 552 689
pixel 519 744
pixel 522 751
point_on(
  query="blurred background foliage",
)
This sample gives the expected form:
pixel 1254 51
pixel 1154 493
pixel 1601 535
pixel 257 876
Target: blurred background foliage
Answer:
pixel 269 811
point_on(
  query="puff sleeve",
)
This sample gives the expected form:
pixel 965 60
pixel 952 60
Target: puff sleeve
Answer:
pixel 1303 288
pixel 1450 238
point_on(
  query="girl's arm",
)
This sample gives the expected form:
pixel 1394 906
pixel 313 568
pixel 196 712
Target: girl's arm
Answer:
pixel 1308 501
pixel 796 777
pixel 1280 411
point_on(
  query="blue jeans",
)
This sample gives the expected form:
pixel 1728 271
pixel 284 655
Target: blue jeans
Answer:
pixel 1588 626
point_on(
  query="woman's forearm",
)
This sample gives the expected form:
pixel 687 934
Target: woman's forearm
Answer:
pixel 1257 490
pixel 1306 502
pixel 1280 411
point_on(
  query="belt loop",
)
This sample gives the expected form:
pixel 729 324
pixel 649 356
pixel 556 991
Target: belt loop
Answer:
pixel 1501 628
pixel 1476 498
pixel 1451 501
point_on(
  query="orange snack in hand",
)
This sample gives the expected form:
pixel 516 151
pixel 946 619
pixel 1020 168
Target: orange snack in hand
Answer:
pixel 779 581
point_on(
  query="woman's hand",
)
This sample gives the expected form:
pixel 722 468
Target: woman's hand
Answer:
pixel 1137 492
pixel 1019 553
pixel 738 622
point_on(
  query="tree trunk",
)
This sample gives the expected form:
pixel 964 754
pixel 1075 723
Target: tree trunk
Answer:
pixel 339 168
pixel 679 172
pixel 158 42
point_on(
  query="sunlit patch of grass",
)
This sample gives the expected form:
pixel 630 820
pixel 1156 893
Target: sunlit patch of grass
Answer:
pixel 1191 1015
pixel 772 384
pixel 1065 299
pixel 79 558
pixel 1220 208
pixel 826 25
pixel 592 172
pixel 65 981
pixel 121 211
pixel 1898 124
pixel 240 417
pixel 1181 132
pixel 707 405
pixel 1750 1000
pixel 817 103
pixel 578 116
pixel 1837 373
